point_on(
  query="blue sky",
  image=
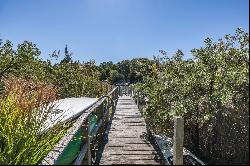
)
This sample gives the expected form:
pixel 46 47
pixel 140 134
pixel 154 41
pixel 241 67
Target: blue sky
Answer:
pixel 114 30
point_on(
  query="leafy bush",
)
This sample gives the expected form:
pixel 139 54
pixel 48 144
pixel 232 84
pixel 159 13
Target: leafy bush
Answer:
pixel 211 92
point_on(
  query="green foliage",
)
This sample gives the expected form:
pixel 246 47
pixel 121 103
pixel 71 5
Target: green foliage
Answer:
pixel 131 71
pixel 20 140
pixel 124 68
pixel 72 77
pixel 23 62
pixel 77 79
pixel 20 136
pixel 105 69
pixel 115 77
pixel 211 92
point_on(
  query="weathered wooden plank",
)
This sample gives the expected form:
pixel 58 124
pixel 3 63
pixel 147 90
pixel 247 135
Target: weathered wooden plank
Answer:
pixel 129 148
pixel 128 141
pixel 130 157
pixel 126 137
pixel 122 133
pixel 124 151
pixel 129 162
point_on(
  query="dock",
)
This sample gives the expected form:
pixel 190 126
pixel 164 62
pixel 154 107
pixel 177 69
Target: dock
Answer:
pixel 126 139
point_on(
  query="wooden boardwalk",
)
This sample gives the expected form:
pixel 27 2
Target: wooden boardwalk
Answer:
pixel 126 140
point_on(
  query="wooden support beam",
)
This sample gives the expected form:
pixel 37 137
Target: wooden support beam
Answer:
pixel 89 161
pixel 178 141
pixel 80 158
pixel 138 99
pixel 132 90
pixel 107 108
pixel 120 90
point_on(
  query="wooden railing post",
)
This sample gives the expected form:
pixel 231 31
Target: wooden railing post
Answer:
pixel 178 141
pixel 116 94
pixel 113 103
pixel 120 91
pixel 127 89
pixel 132 90
pixel 85 138
pixel 89 161
pixel 138 99
pixel 107 107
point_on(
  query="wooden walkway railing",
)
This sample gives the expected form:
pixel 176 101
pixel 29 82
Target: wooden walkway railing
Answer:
pixel 102 108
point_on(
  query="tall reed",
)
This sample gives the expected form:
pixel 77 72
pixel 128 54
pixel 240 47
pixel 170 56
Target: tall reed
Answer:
pixel 21 121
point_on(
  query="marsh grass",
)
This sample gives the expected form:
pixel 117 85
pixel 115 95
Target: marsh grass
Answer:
pixel 21 121
pixel 21 141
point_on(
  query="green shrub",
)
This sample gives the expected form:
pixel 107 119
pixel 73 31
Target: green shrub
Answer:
pixel 21 141
pixel 211 92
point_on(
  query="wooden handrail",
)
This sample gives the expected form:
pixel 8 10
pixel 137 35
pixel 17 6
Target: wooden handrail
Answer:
pixel 59 148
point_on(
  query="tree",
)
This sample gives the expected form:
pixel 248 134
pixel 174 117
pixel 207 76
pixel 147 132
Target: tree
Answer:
pixel 115 77
pixel 105 68
pixel 123 68
pixel 67 56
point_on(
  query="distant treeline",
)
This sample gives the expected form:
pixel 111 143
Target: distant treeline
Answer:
pixel 70 77
pixel 129 71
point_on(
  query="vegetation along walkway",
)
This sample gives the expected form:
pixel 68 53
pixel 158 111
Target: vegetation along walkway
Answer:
pixel 126 140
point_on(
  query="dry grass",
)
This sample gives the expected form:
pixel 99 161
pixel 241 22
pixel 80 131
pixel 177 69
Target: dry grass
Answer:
pixel 21 140
pixel 28 93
